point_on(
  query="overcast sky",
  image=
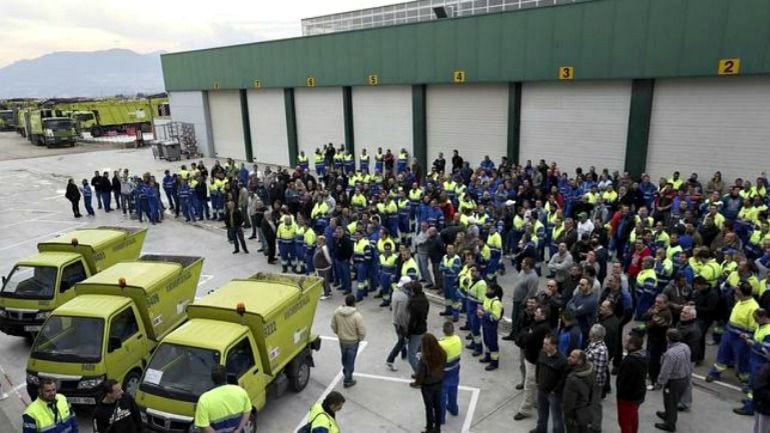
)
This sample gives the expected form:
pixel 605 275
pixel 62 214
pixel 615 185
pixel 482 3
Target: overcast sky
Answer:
pixel 31 28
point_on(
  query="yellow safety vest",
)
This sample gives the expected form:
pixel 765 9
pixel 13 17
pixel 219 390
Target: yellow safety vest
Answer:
pixel 286 232
pixel 45 420
pixel 453 347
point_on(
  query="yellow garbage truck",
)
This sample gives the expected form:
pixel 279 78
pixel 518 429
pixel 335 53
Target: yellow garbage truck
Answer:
pixel 112 325
pixel 41 282
pixel 259 328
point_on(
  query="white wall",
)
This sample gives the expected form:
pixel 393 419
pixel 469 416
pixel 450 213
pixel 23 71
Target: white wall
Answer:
pixel 267 118
pixel 189 107
pixel 382 117
pixel 320 118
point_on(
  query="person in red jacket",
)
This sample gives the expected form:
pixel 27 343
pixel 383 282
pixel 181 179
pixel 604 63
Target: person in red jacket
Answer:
pixel 640 252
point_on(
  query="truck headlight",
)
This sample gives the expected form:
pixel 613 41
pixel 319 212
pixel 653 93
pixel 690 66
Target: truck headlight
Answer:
pixel 49 133
pixel 90 383
pixel 42 315
pixel 3 313
pixel 33 379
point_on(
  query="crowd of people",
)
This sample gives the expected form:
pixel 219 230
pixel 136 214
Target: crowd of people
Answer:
pixel 673 262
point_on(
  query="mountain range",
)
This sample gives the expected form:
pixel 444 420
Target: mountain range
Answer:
pixel 89 74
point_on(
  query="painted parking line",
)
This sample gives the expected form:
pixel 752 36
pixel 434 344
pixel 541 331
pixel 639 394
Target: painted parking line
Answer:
pixel 45 236
pixel 720 383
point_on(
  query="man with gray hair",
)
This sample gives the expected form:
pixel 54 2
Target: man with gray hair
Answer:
pixel 690 331
pixel 598 355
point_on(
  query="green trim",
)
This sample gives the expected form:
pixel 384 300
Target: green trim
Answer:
pixel 514 122
pixel 246 125
pixel 639 126
pixel 291 125
pixel 419 126
pixel 347 110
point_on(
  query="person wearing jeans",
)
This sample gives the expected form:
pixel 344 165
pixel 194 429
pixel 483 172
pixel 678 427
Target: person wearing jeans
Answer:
pixel 551 372
pixel 348 324
pixel 399 304
pixel 418 323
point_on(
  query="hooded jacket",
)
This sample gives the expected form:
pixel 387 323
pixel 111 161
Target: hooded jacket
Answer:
pixel 579 389
pixel 348 325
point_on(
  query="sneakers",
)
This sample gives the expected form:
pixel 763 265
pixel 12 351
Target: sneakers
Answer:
pixel 520 416
pixel 325 297
pixel 391 366
pixel 349 384
pixel 520 386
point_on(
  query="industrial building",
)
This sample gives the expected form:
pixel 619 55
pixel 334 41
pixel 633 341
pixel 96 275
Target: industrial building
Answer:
pixel 639 85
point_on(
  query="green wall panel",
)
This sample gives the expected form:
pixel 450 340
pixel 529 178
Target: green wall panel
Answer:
pixel 602 39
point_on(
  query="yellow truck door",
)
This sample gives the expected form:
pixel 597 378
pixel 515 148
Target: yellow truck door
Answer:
pixel 125 349
pixel 242 367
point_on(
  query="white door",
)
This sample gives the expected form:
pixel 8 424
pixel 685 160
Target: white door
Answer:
pixel 382 117
pixel 470 118
pixel 320 118
pixel 267 118
pixel 188 107
pixel 576 124
pixel 703 125
pixel 227 124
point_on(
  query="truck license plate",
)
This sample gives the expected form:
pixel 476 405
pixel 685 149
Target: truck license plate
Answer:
pixel 81 400
pixel 32 328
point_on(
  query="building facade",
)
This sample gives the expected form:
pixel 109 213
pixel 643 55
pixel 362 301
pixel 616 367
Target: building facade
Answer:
pixel 638 85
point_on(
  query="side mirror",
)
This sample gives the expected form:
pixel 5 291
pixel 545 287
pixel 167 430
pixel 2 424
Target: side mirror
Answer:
pixel 114 344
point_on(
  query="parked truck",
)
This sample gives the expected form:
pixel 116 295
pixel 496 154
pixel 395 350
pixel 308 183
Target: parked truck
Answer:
pixel 7 120
pixel 259 328
pixel 46 127
pixel 113 325
pixel 41 282
pixel 98 116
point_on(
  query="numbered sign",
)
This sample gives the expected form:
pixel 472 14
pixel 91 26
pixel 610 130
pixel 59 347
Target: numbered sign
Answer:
pixel 310 81
pixel 216 85
pixel 257 84
pixel 459 76
pixel 729 66
pixel 566 72
pixel 374 80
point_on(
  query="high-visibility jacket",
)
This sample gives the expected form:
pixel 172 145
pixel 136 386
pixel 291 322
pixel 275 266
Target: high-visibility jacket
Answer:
pixel 320 421
pixel 362 251
pixel 302 159
pixel 358 200
pixel 310 238
pixel 320 209
pixel 453 347
pixel 319 158
pixel 647 282
pixel 286 232
pixel 381 245
pixel 39 417
pixel 493 308
pixel 388 264
pixel 742 315
pixel 477 291
pixel 734 280
pixel 409 269
pixel 222 408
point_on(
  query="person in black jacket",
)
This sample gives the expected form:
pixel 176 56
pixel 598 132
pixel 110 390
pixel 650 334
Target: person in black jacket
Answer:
pixel 429 378
pixel 95 181
pixel 707 306
pixel 117 412
pixel 104 189
pixel 580 392
pixel 530 340
pixel 417 307
pixel 116 187
pixel 268 229
pixel 234 222
pixel 761 394
pixel 73 195
pixel 342 253
pixel 690 331
pixel 550 372
pixel 630 385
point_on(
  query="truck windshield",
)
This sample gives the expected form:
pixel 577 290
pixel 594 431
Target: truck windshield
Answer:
pixel 30 282
pixel 180 372
pixel 58 124
pixel 6 115
pixel 70 339
pixel 81 117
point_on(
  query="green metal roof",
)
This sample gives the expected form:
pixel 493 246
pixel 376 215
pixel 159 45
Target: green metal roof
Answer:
pixel 137 274
pixel 210 334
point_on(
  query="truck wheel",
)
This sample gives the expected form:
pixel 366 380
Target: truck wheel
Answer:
pixel 299 375
pixel 252 426
pixel 131 382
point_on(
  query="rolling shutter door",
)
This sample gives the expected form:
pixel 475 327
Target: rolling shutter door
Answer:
pixel 470 118
pixel 576 124
pixel 703 125
pixel 320 118
pixel 227 124
pixel 382 117
pixel 188 107
pixel 267 118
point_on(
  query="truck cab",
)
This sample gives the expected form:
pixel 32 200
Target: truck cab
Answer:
pixel 43 281
pixel 84 120
pixel 6 120
pixel 112 326
pixel 59 130
pixel 258 328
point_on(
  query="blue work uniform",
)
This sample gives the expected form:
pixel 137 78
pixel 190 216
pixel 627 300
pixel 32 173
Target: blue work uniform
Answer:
pixel 450 270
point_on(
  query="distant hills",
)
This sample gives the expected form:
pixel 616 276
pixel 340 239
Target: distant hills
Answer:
pixel 91 74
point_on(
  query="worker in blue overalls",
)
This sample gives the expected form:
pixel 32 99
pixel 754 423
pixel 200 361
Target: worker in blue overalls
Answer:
pixel 285 234
pixel 299 246
pixel 490 313
pixel 760 350
pixel 404 211
pixel 403 160
pixel 378 161
pixel 450 269
pixel 302 161
pixel 87 194
pixel 169 187
pixel 475 297
pixel 153 202
pixel 362 257
pixel 363 162
pixel 387 275
pixel 733 350
pixel 184 193
pixel 453 347
pixel 320 163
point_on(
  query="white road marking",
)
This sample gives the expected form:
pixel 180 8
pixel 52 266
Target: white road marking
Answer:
pixel 471 410
pixel 205 278
pixel 720 383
